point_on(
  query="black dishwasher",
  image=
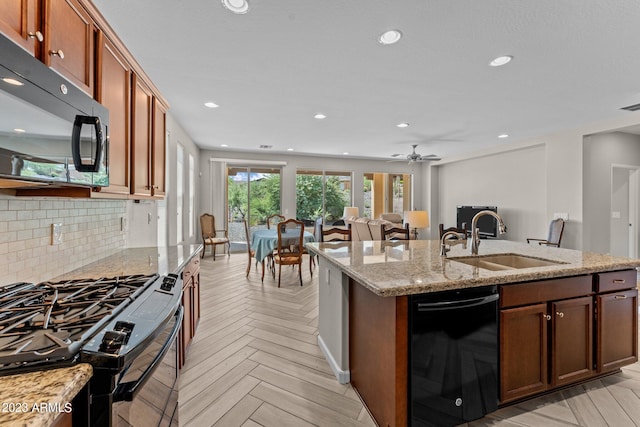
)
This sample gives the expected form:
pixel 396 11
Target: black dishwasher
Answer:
pixel 453 356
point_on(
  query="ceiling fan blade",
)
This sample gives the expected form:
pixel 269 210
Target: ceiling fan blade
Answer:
pixel 396 155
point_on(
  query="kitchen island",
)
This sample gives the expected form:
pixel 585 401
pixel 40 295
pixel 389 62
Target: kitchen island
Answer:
pixel 365 296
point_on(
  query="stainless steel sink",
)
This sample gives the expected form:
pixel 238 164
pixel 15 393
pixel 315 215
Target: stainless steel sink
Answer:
pixel 498 262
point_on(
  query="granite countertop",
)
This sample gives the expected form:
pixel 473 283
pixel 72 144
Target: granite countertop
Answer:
pixel 38 398
pixel 59 386
pixel 394 268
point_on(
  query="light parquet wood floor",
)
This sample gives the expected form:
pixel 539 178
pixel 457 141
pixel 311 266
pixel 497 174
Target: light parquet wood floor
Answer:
pixel 255 362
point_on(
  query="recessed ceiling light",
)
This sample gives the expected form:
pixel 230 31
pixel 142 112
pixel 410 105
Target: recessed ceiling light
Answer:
pixel 503 135
pixel 289 149
pixel 320 116
pixel 403 125
pixel 390 37
pixel 224 145
pixel 236 6
pixel 18 130
pixel 346 153
pixel 501 60
pixel 12 81
pixel 210 104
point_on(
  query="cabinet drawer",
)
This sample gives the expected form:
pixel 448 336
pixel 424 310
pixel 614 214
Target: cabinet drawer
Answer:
pixel 191 269
pixel 545 290
pixel 616 280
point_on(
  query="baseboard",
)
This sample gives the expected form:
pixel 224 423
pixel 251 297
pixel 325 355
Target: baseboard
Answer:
pixel 343 376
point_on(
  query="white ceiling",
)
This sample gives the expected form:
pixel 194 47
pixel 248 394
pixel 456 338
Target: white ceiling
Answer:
pixel 272 69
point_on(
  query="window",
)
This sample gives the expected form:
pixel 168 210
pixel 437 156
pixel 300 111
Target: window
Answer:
pixel 386 192
pixel 179 193
pixel 322 194
pixel 192 196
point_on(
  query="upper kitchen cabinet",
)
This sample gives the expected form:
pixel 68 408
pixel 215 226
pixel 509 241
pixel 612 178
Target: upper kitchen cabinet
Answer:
pixel 158 149
pixel 69 40
pixel 148 147
pixel 19 20
pixel 113 90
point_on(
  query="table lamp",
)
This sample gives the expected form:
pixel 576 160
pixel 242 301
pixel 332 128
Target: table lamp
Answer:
pixel 416 219
pixel 350 211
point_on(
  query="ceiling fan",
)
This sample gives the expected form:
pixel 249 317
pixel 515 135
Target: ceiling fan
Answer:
pixel 415 157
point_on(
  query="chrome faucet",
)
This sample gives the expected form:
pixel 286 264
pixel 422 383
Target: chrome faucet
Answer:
pixel 460 239
pixel 475 232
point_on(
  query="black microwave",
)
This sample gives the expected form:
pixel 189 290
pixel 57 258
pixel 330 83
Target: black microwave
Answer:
pixel 51 132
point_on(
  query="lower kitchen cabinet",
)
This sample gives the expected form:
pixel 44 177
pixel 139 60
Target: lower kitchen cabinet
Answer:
pixel 546 335
pixel 191 305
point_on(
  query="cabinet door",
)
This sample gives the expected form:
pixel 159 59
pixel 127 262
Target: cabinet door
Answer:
pixel 69 42
pixel 572 340
pixel 142 105
pixel 114 92
pixel 187 332
pixel 617 333
pixel 19 21
pixel 523 351
pixel 158 154
pixel 195 294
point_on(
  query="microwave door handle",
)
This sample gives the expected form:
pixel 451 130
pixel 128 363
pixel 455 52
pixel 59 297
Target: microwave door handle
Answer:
pixel 127 391
pixel 75 143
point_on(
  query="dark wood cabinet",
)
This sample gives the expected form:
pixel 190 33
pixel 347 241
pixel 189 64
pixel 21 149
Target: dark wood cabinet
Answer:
pixel 142 107
pixel 523 351
pixel 158 149
pixel 191 305
pixel 616 319
pixel 69 42
pixel 572 340
pixel 113 90
pixel 20 21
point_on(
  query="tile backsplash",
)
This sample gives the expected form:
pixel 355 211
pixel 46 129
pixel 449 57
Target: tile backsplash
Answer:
pixel 90 230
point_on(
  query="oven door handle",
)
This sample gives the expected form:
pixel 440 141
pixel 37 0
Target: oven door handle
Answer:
pixel 127 391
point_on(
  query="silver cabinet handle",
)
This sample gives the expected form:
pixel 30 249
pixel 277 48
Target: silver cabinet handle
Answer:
pixel 37 35
pixel 559 314
pixel 620 297
pixel 58 53
pixel 547 316
pixel 619 281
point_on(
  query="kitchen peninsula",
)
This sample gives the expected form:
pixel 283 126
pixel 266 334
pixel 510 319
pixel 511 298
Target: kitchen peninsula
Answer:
pixel 564 316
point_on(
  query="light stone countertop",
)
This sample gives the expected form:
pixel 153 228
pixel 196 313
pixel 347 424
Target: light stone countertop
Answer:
pixel 37 398
pixel 61 385
pixel 394 268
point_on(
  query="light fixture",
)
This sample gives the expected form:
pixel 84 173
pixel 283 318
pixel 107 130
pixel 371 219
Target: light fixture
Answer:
pixel 390 37
pixel 346 153
pixel 224 145
pixel 210 104
pixel 403 125
pixel 320 116
pixel 18 130
pixel 503 135
pixel 416 219
pixel 501 60
pixel 12 81
pixel 236 6
pixel 350 211
pixel 289 149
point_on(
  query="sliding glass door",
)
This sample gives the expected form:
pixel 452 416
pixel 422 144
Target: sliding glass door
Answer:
pixel 386 192
pixel 253 193
pixel 322 194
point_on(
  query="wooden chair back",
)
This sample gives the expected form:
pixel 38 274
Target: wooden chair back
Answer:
pixel 396 233
pixel 339 234
pixel 274 219
pixel 455 229
pixel 287 245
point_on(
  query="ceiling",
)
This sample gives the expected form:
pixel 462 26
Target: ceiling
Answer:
pixel 271 69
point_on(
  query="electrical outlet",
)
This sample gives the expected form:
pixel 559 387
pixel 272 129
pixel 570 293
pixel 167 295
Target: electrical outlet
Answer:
pixel 56 233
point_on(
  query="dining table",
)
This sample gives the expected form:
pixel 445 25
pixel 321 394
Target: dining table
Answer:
pixel 263 242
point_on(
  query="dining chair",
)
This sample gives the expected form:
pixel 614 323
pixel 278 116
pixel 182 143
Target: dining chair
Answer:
pixel 339 234
pixel 556 227
pixel 250 252
pixel 211 237
pixel 286 252
pixel 396 233
pixel 443 230
pixel 274 219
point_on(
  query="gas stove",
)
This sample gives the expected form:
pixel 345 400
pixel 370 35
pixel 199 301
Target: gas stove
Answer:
pixel 48 323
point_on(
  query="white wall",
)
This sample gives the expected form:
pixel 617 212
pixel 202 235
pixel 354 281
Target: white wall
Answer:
pixel 514 181
pixel 601 151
